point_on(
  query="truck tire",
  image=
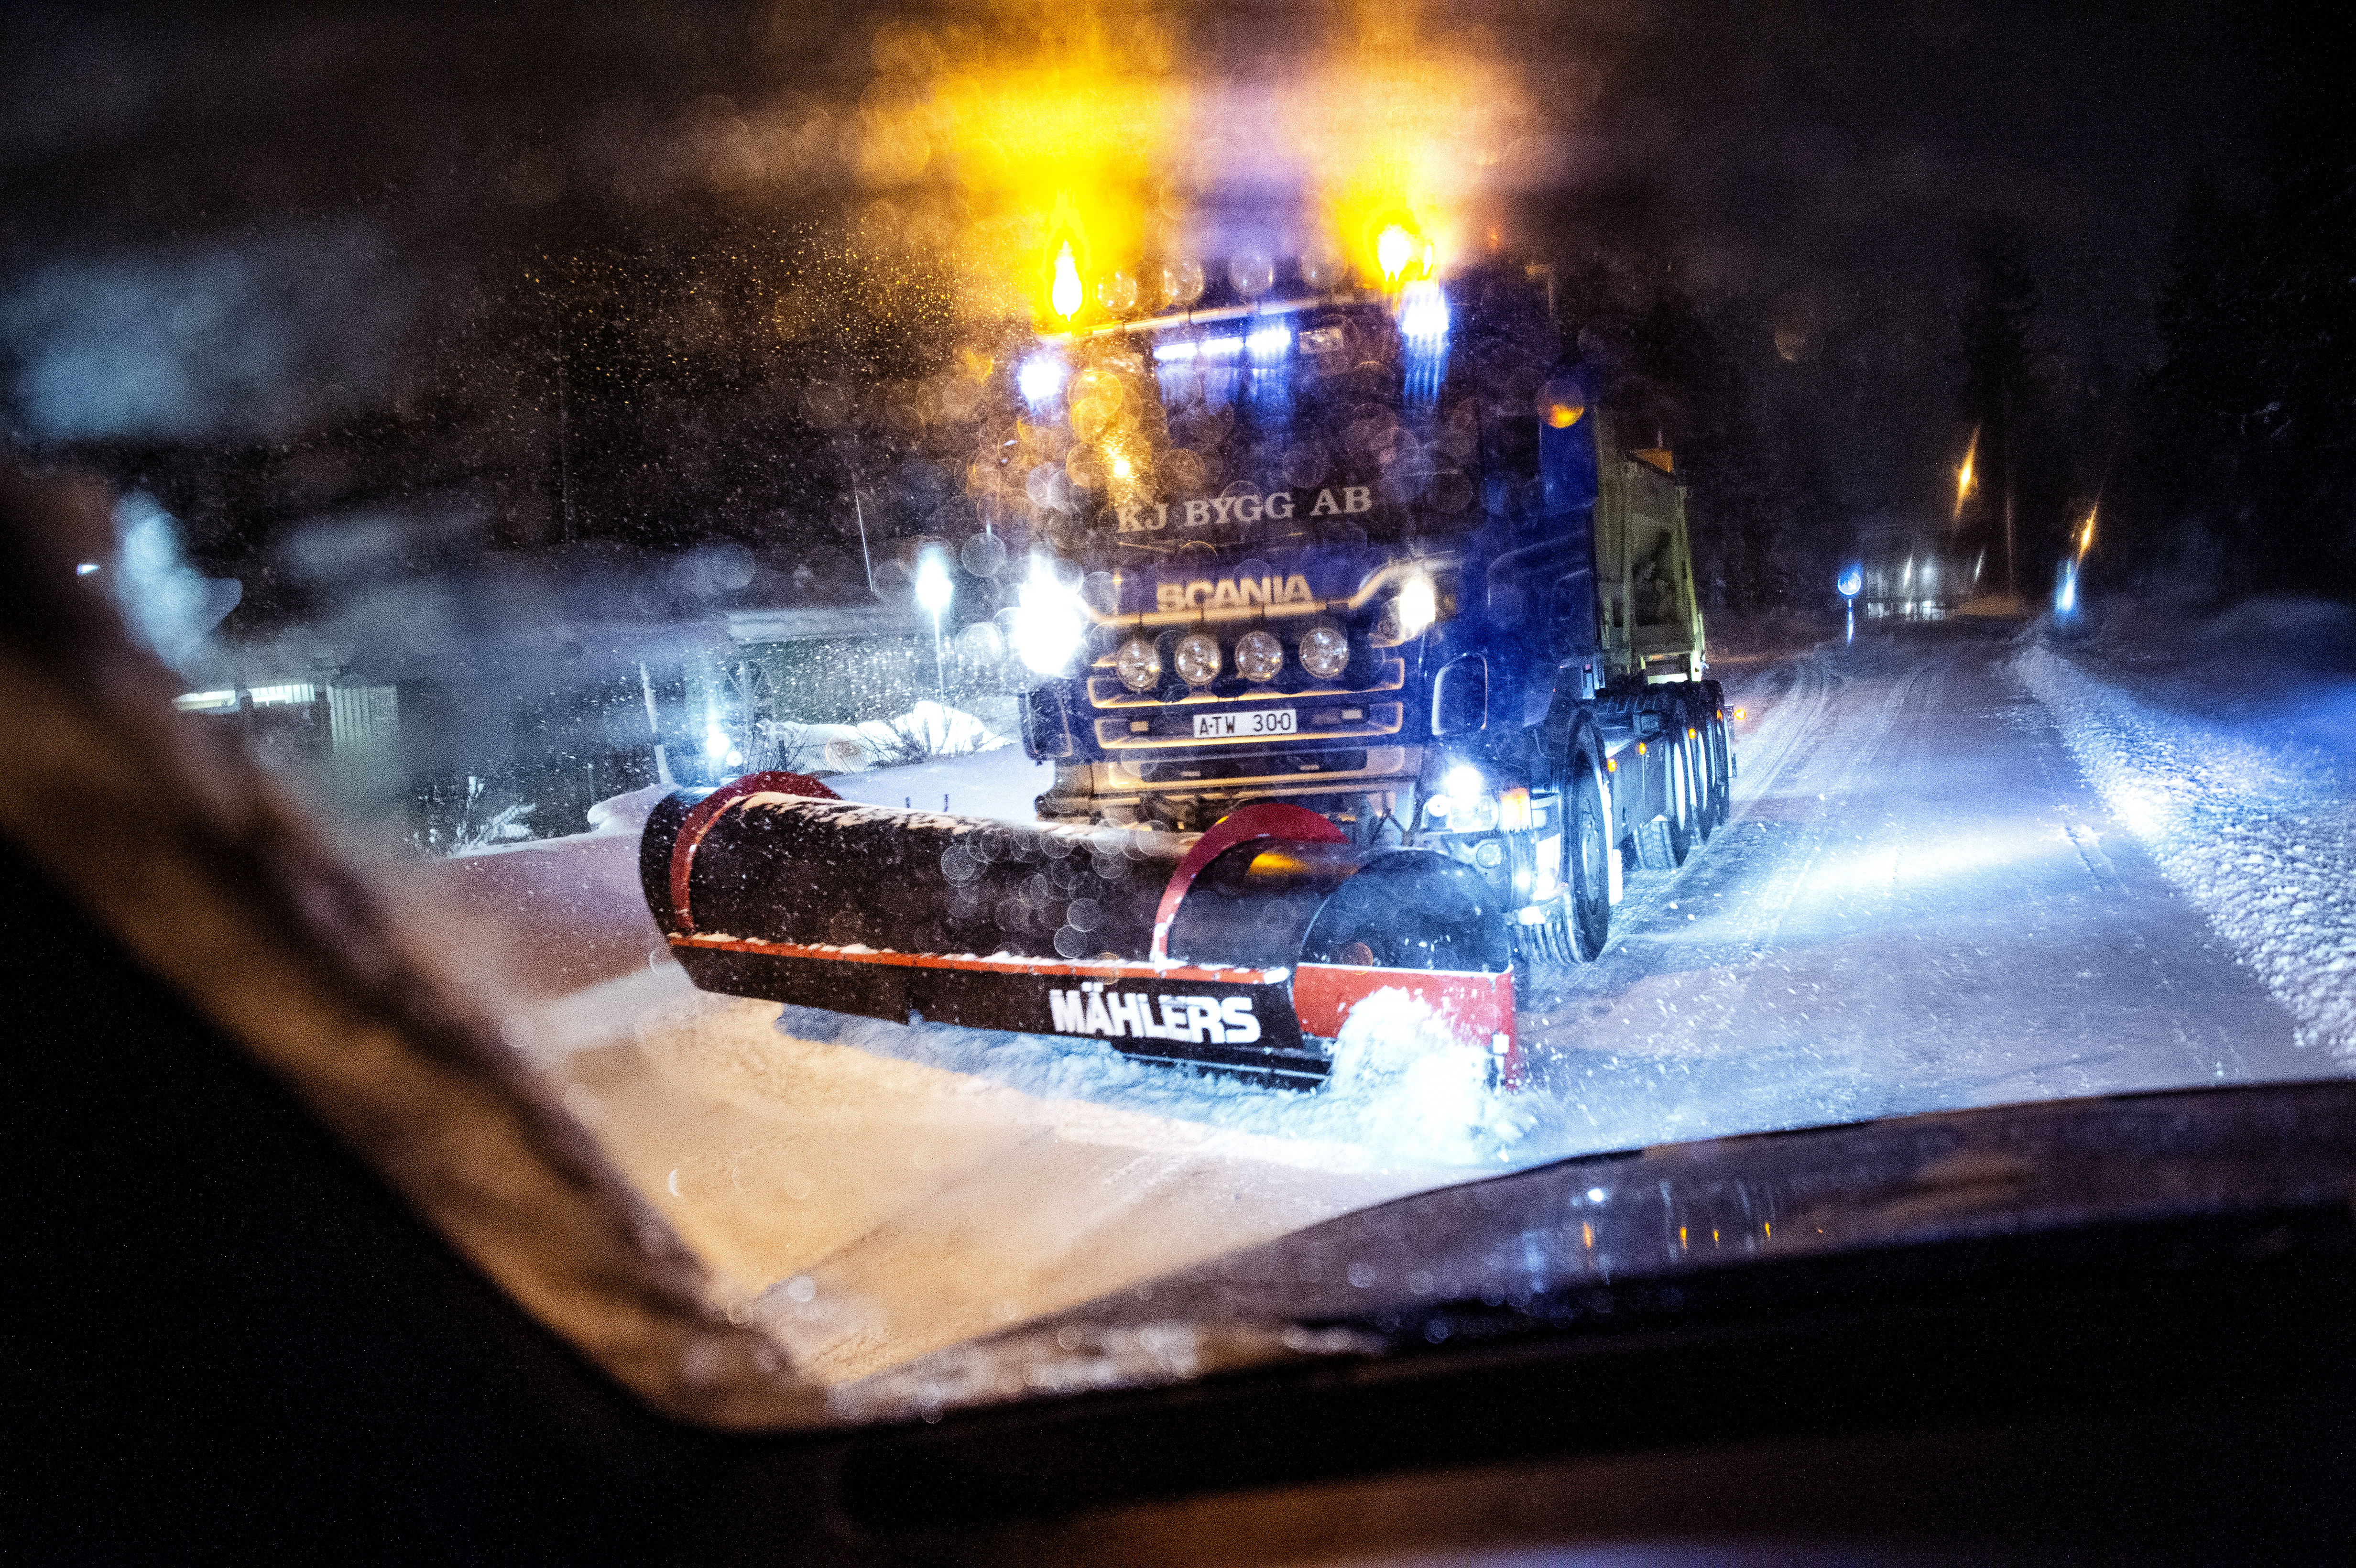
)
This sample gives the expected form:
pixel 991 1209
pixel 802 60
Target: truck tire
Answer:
pixel 1721 771
pixel 1587 870
pixel 1705 786
pixel 1678 822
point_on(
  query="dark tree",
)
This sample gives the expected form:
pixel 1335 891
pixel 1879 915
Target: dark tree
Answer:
pixel 1671 378
pixel 2247 476
pixel 2020 510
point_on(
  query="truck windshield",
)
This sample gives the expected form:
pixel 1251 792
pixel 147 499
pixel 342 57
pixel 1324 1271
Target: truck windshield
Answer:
pixel 1288 426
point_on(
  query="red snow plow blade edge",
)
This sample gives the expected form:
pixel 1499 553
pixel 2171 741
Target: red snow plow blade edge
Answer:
pixel 1215 951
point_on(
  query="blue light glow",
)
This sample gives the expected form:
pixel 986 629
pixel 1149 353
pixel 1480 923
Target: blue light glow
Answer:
pixel 1423 313
pixel 1423 323
pixel 1852 580
pixel 1269 343
pixel 1179 352
pixel 2065 594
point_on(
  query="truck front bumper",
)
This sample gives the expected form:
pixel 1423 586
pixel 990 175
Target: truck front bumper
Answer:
pixel 1186 787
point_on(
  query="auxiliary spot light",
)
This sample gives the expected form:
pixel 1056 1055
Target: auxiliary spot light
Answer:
pixel 1324 652
pixel 1139 664
pixel 1258 657
pixel 1197 659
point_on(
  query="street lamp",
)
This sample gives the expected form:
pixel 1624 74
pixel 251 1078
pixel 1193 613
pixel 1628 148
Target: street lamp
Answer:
pixel 934 591
pixel 1852 580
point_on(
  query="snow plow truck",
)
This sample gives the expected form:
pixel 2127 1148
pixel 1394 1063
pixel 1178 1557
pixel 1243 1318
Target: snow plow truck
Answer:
pixel 1367 659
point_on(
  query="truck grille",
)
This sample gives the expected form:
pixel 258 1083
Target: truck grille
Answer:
pixel 1281 765
pixel 1320 720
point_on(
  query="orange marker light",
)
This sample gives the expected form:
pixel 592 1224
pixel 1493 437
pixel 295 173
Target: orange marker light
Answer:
pixel 1514 808
pixel 1065 293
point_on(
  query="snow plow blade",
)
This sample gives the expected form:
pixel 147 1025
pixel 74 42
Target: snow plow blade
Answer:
pixel 1243 948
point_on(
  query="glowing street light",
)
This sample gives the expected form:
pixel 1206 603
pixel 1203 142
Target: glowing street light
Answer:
pixel 1393 249
pixel 1964 476
pixel 934 591
pixel 1850 582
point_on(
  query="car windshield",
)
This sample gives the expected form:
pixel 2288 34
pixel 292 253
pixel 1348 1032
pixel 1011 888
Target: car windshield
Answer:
pixel 1013 650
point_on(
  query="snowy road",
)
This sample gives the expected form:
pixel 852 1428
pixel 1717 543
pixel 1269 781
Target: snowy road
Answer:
pixel 1921 903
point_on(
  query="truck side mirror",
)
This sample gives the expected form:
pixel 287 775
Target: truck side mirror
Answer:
pixel 1460 697
pixel 1566 445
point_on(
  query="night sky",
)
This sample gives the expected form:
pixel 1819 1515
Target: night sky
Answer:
pixel 222 234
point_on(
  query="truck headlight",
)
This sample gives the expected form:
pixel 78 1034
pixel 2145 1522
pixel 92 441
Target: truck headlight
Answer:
pixel 1048 622
pixel 1197 659
pixel 1258 657
pixel 1477 814
pixel 1417 605
pixel 1324 652
pixel 1409 613
pixel 1471 808
pixel 1139 664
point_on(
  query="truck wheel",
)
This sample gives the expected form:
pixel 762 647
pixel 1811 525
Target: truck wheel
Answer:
pixel 1721 771
pixel 1704 787
pixel 1588 870
pixel 1677 826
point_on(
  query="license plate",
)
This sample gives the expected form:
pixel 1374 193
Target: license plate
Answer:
pixel 1258 722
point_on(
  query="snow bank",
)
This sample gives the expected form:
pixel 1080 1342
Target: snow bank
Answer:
pixel 1003 784
pixel 2237 775
pixel 1403 1091
pixel 624 814
pixel 926 731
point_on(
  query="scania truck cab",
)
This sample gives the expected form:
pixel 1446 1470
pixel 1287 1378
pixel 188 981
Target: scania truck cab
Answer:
pixel 1380 555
